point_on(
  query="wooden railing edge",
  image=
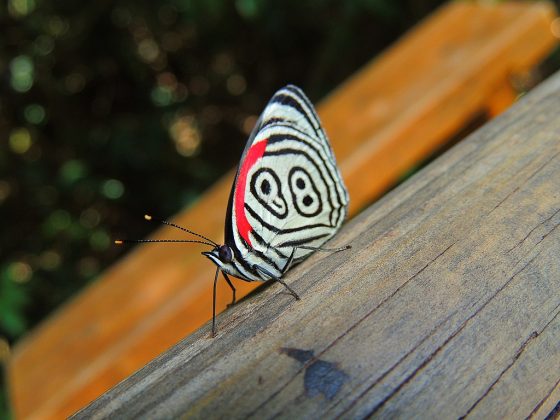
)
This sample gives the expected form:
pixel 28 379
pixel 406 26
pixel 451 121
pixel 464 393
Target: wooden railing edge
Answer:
pixel 204 375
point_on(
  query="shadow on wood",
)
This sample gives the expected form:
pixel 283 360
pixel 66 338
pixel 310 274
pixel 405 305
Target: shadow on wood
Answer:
pixel 392 114
pixel 448 306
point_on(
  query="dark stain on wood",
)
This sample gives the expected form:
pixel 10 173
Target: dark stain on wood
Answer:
pixel 321 377
pixel 302 356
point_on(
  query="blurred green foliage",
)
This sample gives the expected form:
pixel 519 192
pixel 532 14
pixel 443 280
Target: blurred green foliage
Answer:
pixel 111 109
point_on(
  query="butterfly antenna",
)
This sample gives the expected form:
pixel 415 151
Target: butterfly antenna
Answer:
pixel 137 241
pixel 165 222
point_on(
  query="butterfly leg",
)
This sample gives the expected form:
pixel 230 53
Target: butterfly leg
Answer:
pixel 232 289
pixel 278 279
pixel 314 248
pixel 214 304
pixel 290 260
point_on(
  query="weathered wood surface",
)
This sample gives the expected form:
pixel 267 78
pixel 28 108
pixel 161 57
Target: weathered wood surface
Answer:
pixel 393 113
pixel 448 304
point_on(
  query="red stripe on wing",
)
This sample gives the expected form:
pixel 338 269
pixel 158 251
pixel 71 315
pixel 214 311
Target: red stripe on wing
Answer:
pixel 253 155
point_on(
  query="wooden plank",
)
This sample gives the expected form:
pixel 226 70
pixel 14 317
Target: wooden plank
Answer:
pixel 448 304
pixel 396 111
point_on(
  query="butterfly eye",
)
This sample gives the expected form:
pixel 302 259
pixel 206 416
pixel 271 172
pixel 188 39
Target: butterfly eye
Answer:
pixel 225 254
pixel 305 195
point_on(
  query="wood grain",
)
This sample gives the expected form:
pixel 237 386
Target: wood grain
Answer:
pixel 448 304
pixel 392 114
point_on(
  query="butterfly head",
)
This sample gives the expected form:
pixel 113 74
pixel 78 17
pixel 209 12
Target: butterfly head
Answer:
pixel 222 256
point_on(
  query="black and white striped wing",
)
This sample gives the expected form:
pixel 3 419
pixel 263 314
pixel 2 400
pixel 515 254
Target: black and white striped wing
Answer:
pixel 288 191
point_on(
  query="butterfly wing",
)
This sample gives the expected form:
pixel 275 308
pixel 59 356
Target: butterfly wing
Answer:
pixel 288 191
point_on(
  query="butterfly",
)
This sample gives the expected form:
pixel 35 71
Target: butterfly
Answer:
pixel 288 197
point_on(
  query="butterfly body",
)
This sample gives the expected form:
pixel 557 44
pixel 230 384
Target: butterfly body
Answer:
pixel 288 197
